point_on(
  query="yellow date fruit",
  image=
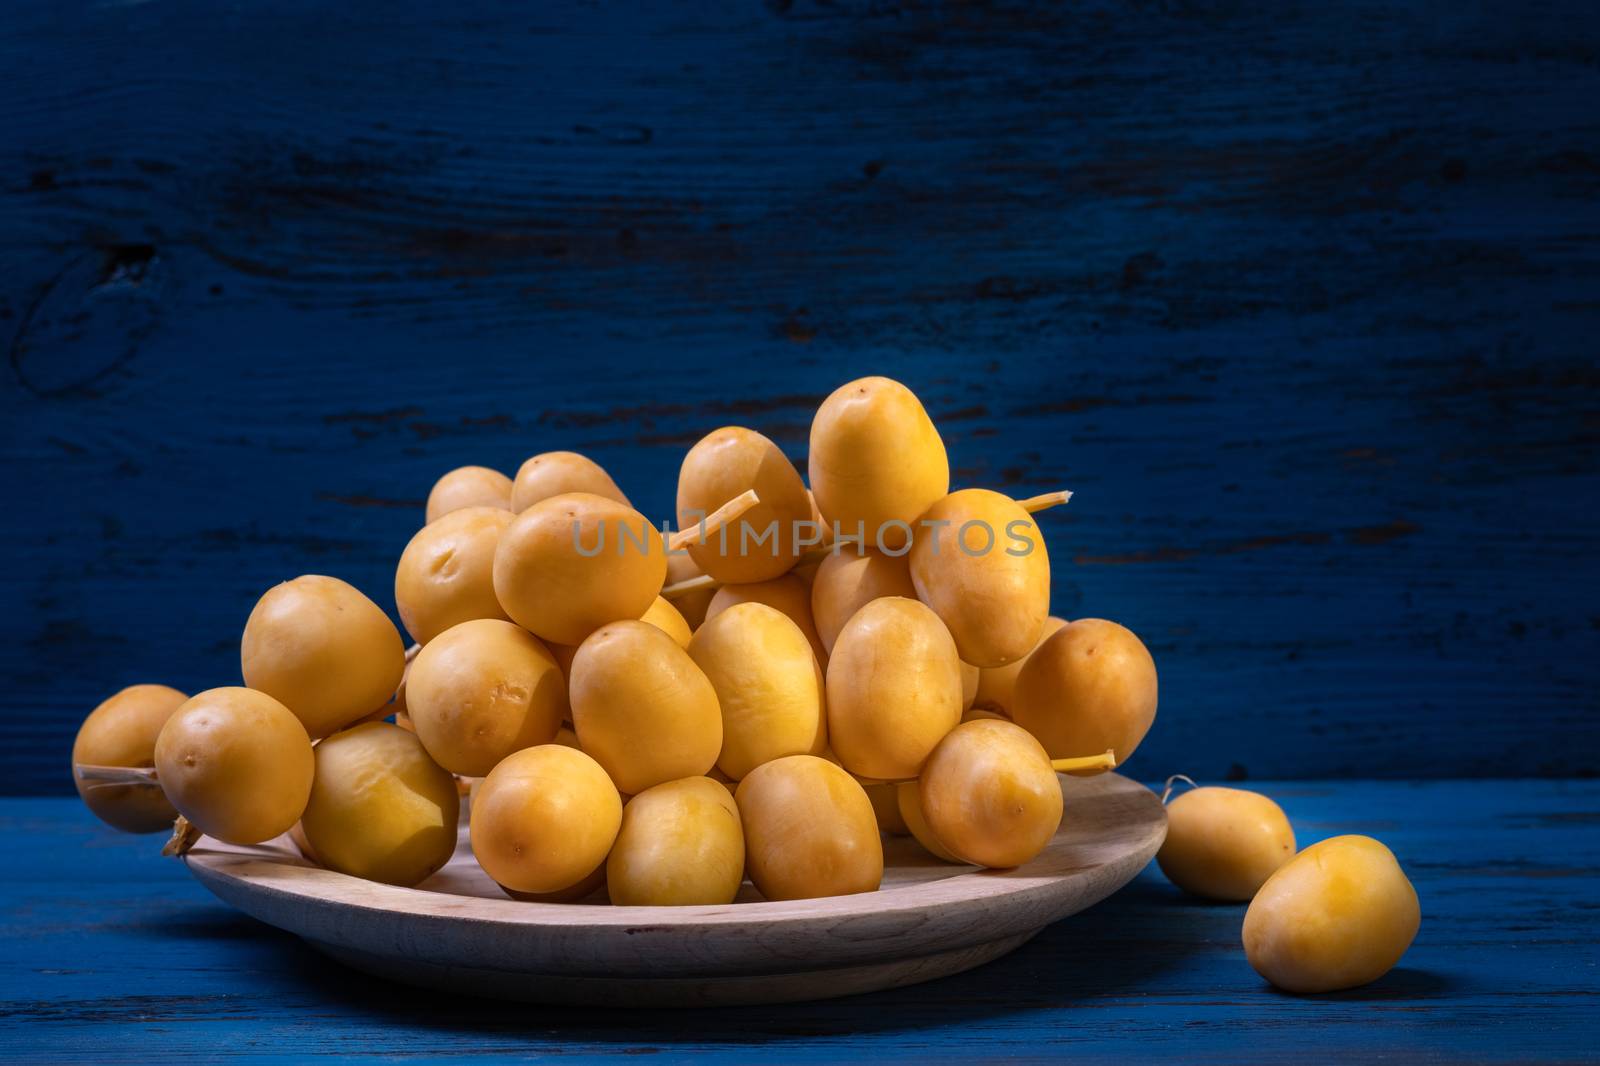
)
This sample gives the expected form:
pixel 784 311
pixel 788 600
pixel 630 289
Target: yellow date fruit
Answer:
pixel 989 794
pixel 481 690
pixel 1223 843
pixel 788 594
pixel 571 563
pixel 681 844
pixel 667 618
pixel 980 562
pixel 1089 687
pixel 236 763
pixel 642 707
pixel 847 581
pixel 1338 915
pixel 446 573
pixel 544 819
pixel 468 486
pixel 908 800
pixel 997 685
pixel 768 686
pixel 555 473
pixel 893 689
pixel 809 830
pixel 762 543
pixel 323 650
pixel 122 731
pixel 380 808
pixel 876 461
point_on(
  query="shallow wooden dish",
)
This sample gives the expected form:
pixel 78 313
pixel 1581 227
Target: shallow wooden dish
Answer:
pixel 457 931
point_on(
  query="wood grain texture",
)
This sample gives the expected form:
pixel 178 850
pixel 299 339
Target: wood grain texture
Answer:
pixel 1299 299
pixel 116 955
pixel 457 931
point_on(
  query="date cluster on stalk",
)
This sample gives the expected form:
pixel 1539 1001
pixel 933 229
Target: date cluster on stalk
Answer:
pixel 758 696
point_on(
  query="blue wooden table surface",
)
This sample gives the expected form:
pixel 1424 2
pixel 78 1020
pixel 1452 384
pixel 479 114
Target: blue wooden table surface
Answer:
pixel 113 954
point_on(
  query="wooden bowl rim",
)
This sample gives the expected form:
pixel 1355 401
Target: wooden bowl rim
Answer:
pixel 283 873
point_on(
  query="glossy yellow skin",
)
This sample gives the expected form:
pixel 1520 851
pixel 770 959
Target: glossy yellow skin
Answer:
pixel 122 731
pixel 642 707
pixel 544 819
pixel 768 686
pixel 446 573
pixel 789 594
pixel 468 486
pixel 1089 687
pixel 236 763
pixel 481 690
pixel 322 649
pixel 809 830
pixel 993 602
pixel 723 464
pixel 666 618
pixel 681 845
pixel 908 799
pixel 692 605
pixel 989 794
pixel 1223 843
pixel 997 685
pixel 893 689
pixel 554 473
pixel 1338 915
pixel 876 457
pixel 560 595
pixel 380 808
pixel 886 807
pixel 847 581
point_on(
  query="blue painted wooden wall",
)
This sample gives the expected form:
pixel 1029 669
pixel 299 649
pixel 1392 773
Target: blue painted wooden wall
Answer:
pixel 1301 299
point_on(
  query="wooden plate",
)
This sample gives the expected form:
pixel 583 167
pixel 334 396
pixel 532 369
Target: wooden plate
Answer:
pixel 458 932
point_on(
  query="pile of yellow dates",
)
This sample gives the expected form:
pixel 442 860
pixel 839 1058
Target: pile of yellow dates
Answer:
pixel 659 717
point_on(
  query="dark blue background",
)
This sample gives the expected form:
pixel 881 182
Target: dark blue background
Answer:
pixel 1302 301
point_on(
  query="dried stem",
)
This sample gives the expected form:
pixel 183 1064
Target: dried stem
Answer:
pixel 1171 783
pixel 1044 501
pixel 104 776
pixel 712 524
pixel 185 835
pixel 1107 761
